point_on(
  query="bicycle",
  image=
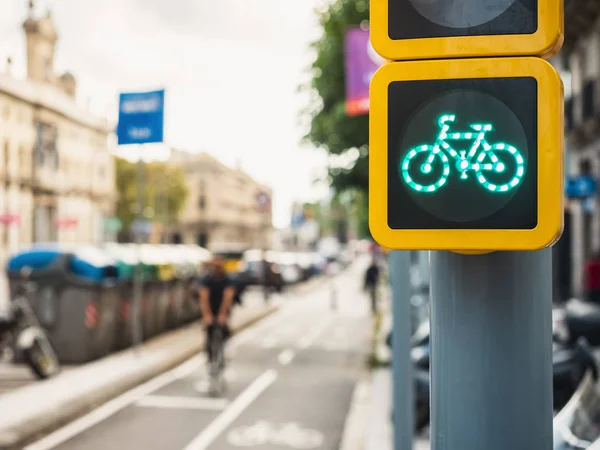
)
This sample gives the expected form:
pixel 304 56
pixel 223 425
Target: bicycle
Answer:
pixel 216 363
pixel 481 158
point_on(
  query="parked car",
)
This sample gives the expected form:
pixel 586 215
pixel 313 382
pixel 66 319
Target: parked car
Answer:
pixel 290 270
pixel 252 269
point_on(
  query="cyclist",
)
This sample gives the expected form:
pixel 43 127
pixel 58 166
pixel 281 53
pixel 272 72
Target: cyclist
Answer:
pixel 217 292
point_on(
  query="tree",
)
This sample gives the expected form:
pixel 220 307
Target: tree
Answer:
pixel 164 195
pixel 330 127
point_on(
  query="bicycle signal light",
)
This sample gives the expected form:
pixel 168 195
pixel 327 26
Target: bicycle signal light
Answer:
pixel 426 29
pixel 466 155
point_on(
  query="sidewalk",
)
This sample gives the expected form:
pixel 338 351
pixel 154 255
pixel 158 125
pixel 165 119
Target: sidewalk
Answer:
pixel 46 405
pixel 369 424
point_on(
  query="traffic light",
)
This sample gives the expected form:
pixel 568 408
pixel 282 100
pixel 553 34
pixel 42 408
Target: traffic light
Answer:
pixel 430 29
pixel 466 154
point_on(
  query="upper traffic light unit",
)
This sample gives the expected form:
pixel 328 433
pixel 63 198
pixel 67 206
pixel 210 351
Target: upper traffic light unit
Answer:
pixel 466 127
pixel 435 29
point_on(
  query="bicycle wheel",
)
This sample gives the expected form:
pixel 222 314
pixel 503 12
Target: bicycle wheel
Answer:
pixel 424 162
pixel 217 364
pixel 500 162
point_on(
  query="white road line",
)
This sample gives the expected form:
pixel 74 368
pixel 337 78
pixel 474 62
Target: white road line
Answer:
pixel 172 402
pixel 233 411
pixel 312 337
pixel 269 342
pixel 121 402
pixel 113 406
pixel 286 357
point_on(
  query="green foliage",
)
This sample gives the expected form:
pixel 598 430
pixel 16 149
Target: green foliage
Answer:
pixel 165 191
pixel 330 128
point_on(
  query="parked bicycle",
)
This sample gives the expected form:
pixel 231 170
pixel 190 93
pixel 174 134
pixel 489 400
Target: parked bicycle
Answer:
pixel 483 159
pixel 21 330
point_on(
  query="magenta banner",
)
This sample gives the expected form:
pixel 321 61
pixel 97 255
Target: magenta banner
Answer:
pixel 361 63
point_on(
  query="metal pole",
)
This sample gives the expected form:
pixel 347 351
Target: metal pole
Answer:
pixel 491 344
pixel 402 367
pixel 138 284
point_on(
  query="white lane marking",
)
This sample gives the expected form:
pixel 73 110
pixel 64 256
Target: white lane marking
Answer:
pixel 269 342
pixel 286 357
pixel 172 402
pixel 315 333
pixel 113 406
pixel 233 411
pixel 119 403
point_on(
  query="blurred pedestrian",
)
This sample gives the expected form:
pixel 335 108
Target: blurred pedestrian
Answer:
pixel 372 283
pixel 591 278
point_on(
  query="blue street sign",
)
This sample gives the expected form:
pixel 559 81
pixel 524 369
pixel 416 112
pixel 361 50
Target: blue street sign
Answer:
pixel 580 186
pixel 141 226
pixel 141 117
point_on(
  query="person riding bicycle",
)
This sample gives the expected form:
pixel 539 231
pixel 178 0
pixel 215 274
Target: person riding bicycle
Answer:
pixel 217 292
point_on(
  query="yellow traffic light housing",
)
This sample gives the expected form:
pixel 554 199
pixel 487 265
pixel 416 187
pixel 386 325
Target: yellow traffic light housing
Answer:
pixel 417 29
pixel 466 155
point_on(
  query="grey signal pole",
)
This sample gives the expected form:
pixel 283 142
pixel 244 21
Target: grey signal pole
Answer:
pixel 402 366
pixel 491 344
pixel 138 281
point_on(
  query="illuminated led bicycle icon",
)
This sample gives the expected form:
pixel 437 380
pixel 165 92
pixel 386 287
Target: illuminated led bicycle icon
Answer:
pixel 482 159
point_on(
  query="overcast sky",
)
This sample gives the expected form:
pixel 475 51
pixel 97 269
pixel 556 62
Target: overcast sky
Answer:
pixel 230 68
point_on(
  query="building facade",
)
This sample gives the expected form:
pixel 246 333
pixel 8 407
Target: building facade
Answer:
pixel 56 173
pixel 226 207
pixel 579 66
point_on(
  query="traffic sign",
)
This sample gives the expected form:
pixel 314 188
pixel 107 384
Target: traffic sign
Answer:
pixel 425 29
pixel 581 187
pixel 264 201
pixel 466 155
pixel 141 117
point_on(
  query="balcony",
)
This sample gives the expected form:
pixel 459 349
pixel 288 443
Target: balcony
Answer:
pixel 580 16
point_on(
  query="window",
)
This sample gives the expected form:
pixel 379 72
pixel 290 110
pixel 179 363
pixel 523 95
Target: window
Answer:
pixel 46 150
pixel 569 114
pixel 589 99
pixel 6 158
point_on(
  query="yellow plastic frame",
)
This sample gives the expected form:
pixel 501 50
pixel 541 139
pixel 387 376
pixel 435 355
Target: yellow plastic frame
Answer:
pixel 550 156
pixel 545 42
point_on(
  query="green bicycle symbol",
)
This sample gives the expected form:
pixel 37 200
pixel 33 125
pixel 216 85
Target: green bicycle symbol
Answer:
pixel 482 158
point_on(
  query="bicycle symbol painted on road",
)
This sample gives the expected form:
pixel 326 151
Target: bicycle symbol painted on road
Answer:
pixel 487 161
pixel 289 435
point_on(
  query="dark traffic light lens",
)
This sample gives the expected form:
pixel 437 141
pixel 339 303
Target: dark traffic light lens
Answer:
pixel 467 157
pixel 461 13
pixel 414 19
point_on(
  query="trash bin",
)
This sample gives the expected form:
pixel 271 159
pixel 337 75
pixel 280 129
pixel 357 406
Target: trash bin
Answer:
pixel 76 300
pixel 126 261
pixel 156 304
pixel 191 306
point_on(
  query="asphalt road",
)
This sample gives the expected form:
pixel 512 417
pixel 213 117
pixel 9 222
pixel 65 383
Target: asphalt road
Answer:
pixel 290 383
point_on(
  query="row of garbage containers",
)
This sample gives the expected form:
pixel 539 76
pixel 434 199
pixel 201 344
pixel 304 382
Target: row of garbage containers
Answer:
pixel 83 295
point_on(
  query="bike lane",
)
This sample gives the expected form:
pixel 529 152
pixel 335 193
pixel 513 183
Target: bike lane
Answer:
pixel 306 406
pixel 265 362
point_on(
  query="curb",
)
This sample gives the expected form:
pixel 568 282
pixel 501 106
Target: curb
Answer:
pixel 32 428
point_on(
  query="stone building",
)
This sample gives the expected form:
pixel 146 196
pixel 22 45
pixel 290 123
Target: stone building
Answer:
pixel 226 207
pixel 56 173
pixel 579 66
